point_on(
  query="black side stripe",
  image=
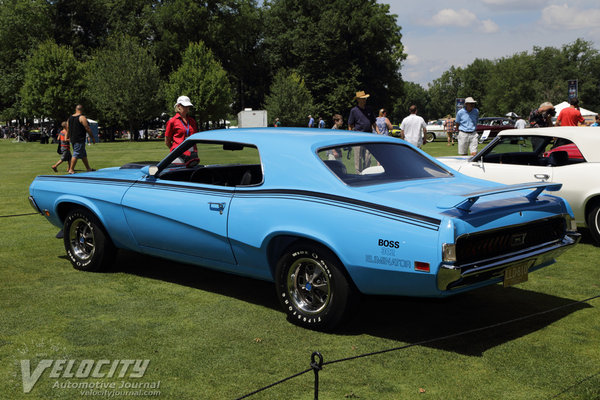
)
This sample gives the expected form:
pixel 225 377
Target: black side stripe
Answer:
pixel 285 193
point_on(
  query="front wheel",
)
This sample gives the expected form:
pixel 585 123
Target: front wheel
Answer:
pixel 312 287
pixel 593 222
pixel 87 245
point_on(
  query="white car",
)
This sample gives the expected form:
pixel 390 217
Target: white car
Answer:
pixel 567 155
pixel 435 130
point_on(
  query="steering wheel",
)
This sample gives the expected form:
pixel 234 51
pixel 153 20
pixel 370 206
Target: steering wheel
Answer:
pixel 191 163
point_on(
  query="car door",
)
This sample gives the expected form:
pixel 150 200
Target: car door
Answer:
pixel 180 217
pixel 507 173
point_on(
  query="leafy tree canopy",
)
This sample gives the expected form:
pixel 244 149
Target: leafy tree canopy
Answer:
pixel 289 99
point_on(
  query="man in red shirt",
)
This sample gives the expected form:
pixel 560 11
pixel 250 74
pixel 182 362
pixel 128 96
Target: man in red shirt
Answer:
pixel 570 116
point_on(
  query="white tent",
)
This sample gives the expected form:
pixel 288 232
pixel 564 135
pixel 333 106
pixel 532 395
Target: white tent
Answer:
pixel 587 114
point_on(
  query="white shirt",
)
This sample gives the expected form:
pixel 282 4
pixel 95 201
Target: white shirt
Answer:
pixel 520 124
pixel 413 126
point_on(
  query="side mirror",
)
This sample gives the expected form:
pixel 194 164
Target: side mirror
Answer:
pixel 150 170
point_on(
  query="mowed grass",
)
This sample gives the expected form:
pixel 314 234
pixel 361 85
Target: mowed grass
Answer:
pixel 210 335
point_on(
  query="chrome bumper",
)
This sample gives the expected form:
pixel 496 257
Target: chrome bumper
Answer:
pixel 456 276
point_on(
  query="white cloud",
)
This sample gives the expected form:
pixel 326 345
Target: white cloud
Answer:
pixel 448 17
pixel 489 26
pixel 462 19
pixel 565 17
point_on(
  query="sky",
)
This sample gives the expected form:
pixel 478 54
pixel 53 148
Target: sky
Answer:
pixel 438 34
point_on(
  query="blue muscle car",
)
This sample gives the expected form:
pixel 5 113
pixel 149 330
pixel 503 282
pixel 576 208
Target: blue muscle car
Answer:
pixel 324 215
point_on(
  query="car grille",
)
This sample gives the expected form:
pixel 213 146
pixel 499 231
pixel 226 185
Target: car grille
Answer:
pixel 490 244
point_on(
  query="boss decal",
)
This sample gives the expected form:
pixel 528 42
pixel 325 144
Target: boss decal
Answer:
pixel 394 244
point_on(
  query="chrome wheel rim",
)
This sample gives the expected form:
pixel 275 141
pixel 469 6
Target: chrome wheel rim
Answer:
pixel 81 239
pixel 309 286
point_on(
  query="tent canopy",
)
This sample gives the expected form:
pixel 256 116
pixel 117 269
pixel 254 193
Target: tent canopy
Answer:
pixel 584 112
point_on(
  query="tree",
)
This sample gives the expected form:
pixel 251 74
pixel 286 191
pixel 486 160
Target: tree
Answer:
pixel 24 24
pixel 289 99
pixel 53 82
pixel 413 94
pixel 123 83
pixel 204 81
pixel 444 91
pixel 338 47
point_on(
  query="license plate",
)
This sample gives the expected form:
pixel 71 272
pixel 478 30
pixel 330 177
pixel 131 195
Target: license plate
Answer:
pixel 517 273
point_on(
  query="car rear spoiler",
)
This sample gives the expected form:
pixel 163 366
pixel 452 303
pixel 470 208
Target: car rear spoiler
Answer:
pixel 466 201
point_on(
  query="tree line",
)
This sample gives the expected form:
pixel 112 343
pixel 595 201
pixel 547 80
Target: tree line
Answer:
pixel 127 62
pixel 517 83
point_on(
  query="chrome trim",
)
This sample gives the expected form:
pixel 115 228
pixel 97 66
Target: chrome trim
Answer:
pixel 34 204
pixel 449 276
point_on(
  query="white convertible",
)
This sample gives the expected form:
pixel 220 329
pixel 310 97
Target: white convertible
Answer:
pixel 568 155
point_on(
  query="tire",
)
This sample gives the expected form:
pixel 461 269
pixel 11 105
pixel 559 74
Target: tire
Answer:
pixel 312 286
pixel 593 222
pixel 87 245
pixel 429 137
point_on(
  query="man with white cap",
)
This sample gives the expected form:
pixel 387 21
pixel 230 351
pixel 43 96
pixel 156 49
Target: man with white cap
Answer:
pixel 466 121
pixel 180 127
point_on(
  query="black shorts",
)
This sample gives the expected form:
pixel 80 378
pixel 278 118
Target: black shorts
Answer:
pixel 66 155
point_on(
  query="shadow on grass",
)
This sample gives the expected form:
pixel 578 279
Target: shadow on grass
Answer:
pixel 415 320
pixel 404 319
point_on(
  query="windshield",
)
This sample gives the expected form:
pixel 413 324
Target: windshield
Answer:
pixel 377 163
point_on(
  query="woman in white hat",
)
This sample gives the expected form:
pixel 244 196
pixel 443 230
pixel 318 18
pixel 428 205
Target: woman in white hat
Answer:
pixel 180 126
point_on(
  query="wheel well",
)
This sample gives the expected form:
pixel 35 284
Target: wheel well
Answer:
pixel 594 201
pixel 279 244
pixel 63 209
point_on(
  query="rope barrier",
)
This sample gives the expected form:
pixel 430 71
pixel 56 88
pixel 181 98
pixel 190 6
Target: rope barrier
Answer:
pixel 18 215
pixel 317 366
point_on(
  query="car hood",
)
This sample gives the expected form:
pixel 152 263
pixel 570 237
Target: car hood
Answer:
pixel 455 162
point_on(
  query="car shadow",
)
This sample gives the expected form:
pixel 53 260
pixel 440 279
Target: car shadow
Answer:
pixel 403 319
pixel 468 323
pixel 235 286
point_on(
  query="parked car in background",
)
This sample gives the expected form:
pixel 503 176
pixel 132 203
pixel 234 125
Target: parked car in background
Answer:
pixel 276 204
pixel 435 130
pixel 569 155
pixel 493 125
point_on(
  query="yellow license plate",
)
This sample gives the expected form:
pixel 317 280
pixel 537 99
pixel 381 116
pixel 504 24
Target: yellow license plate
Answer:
pixel 517 273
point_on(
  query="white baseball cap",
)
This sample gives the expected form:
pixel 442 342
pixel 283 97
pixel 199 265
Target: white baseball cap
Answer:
pixel 184 101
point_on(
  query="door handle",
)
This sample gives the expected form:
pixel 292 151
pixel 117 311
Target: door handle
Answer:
pixel 217 207
pixel 542 177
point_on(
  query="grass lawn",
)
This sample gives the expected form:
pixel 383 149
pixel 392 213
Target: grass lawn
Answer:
pixel 216 336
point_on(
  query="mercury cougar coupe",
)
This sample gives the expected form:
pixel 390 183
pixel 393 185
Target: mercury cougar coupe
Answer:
pixel 282 205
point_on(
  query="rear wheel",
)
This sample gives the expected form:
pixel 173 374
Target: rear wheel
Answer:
pixel 429 137
pixel 312 286
pixel 87 245
pixel 593 221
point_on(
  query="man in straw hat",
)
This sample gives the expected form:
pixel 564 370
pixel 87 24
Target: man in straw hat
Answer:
pixel 363 120
pixel 466 120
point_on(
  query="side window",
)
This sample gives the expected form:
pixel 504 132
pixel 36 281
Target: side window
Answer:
pixel 220 164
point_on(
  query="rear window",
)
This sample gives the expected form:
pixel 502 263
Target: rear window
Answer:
pixel 378 163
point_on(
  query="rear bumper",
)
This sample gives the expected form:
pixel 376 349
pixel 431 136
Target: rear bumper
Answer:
pixel 451 277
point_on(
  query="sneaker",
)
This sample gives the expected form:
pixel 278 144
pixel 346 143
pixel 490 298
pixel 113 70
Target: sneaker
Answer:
pixel 54 168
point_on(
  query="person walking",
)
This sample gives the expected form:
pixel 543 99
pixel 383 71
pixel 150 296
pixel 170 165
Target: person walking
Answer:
pixel 321 124
pixel 77 128
pixel 413 128
pixel 570 116
pixel 383 123
pixel 311 121
pixel 449 128
pixel 361 119
pixel 180 127
pixel 64 148
pixel 466 120
pixel 336 153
